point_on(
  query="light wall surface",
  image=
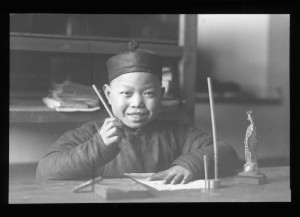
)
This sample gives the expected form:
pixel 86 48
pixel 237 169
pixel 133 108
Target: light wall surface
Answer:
pixel 253 51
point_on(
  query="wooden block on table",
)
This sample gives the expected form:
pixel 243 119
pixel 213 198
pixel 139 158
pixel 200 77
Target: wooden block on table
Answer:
pixel 113 189
pixel 251 179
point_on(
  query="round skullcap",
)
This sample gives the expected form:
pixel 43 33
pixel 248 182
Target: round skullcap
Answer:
pixel 134 60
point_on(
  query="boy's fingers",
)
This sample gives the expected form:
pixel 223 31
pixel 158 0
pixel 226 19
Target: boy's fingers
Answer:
pixel 114 132
pixel 177 179
pixel 169 178
pixel 112 124
pixel 112 140
pixel 186 179
pixel 157 176
pixel 109 124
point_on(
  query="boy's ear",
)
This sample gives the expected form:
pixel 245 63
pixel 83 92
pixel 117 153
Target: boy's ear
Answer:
pixel 106 90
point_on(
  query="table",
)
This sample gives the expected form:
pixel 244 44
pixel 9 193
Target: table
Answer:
pixel 49 191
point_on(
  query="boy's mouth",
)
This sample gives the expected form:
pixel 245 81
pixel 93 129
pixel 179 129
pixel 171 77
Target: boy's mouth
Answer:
pixel 137 115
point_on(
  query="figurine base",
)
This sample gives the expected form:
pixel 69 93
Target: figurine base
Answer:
pixel 212 183
pixel 259 179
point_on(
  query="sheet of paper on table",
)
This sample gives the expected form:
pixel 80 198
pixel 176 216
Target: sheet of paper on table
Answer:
pixel 158 184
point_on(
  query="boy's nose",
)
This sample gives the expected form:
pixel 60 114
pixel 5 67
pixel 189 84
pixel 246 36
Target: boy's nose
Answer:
pixel 137 101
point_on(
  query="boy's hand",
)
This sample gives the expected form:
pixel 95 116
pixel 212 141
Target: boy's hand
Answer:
pixel 175 175
pixel 111 132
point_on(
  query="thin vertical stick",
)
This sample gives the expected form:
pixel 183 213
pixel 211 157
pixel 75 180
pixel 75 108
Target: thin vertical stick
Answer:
pixel 205 166
pixel 211 100
pixel 103 101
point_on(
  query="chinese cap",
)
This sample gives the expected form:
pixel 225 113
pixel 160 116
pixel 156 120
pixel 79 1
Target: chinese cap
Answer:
pixel 134 60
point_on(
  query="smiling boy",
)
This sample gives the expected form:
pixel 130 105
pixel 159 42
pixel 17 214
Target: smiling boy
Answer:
pixel 134 140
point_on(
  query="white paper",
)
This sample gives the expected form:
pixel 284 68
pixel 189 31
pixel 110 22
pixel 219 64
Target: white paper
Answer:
pixel 160 186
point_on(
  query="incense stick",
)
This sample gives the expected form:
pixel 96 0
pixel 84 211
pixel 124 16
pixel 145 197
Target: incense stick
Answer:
pixel 211 100
pixel 103 101
pixel 205 166
pixel 85 184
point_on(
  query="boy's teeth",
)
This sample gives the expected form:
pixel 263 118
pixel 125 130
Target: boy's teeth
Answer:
pixel 136 115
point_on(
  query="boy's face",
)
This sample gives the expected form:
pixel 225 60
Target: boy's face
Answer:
pixel 135 98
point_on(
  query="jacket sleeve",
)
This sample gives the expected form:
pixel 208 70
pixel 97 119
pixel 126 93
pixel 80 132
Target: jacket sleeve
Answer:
pixel 76 155
pixel 194 144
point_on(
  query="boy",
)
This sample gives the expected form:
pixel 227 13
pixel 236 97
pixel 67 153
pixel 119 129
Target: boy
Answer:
pixel 134 141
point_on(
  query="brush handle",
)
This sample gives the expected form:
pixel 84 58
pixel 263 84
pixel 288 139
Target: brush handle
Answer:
pixel 103 101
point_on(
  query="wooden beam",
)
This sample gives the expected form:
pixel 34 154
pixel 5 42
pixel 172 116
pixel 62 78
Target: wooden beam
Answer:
pixel 188 64
pixel 75 45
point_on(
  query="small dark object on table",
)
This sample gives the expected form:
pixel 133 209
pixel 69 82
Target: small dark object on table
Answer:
pixel 112 189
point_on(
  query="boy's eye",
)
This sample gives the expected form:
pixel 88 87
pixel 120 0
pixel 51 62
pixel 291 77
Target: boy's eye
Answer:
pixel 149 93
pixel 126 93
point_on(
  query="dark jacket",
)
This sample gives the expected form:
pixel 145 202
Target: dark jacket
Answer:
pixel 81 153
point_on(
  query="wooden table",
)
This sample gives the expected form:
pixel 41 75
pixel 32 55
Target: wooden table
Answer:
pixel 277 189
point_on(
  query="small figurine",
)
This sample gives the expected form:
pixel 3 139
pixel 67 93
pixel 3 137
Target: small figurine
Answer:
pixel 251 173
pixel 251 165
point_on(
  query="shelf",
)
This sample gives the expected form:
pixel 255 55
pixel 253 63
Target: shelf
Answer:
pixel 34 111
pixel 94 38
pixel 86 45
pixel 244 100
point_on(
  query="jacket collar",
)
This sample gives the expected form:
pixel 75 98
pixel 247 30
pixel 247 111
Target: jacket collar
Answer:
pixel 139 131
